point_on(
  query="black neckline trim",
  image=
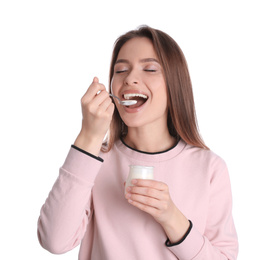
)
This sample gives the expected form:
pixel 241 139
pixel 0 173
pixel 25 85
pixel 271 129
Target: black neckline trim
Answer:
pixel 148 152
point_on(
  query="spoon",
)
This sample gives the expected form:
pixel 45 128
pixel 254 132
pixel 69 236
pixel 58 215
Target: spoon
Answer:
pixel 124 102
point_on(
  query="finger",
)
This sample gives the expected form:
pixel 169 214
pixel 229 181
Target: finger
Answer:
pixel 107 106
pixel 146 200
pixel 95 83
pixel 147 192
pixel 93 89
pixel 150 183
pixel 144 207
pixel 111 109
pixel 100 98
pixel 96 79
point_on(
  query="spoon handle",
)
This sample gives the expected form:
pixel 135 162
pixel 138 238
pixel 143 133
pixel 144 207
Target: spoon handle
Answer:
pixel 111 95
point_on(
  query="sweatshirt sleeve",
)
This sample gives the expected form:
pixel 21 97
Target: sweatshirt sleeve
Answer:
pixel 68 208
pixel 219 240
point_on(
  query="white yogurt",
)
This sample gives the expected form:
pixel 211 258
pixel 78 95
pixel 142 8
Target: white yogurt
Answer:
pixel 139 172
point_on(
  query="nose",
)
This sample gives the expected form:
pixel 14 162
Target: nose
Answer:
pixel 132 78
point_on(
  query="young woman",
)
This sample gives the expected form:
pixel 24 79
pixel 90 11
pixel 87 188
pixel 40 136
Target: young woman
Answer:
pixel 186 211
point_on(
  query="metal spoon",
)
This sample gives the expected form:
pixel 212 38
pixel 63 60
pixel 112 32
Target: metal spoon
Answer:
pixel 124 102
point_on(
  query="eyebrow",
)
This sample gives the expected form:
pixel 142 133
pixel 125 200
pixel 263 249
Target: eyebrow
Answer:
pixel 142 60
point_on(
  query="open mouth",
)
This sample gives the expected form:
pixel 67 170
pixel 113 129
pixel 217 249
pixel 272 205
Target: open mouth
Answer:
pixel 140 98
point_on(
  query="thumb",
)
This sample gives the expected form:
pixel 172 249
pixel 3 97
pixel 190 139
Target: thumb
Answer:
pixel 95 80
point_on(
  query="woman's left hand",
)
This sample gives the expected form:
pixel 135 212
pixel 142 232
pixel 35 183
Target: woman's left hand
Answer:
pixel 154 198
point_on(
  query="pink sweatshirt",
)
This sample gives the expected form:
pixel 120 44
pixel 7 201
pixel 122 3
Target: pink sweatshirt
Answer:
pixel 87 205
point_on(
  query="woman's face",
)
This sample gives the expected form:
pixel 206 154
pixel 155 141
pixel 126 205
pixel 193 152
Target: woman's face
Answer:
pixel 139 76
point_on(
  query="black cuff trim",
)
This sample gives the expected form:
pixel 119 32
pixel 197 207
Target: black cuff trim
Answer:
pixel 89 154
pixel 169 244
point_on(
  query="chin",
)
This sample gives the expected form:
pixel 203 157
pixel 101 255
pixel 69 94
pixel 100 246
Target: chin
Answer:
pixel 134 124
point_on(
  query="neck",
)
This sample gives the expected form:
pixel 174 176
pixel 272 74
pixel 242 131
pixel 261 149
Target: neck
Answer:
pixel 149 140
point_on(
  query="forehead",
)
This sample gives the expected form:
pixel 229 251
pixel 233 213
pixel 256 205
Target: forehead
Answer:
pixel 137 49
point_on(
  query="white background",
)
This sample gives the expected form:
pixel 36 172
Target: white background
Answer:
pixel 50 52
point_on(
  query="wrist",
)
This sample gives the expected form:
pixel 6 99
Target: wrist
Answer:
pixel 177 227
pixel 89 143
pixel 168 243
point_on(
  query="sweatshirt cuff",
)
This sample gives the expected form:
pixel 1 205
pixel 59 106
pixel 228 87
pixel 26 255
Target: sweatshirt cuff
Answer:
pixel 169 244
pixel 89 154
pixel 191 246
pixel 81 165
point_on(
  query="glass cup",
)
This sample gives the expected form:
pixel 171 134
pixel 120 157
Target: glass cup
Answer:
pixel 139 172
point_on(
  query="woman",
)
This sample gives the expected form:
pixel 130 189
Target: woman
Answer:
pixel 186 212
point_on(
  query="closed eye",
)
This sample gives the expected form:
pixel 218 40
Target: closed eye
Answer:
pixel 150 70
pixel 120 71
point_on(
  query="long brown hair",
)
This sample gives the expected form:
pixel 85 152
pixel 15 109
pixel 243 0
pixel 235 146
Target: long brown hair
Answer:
pixel 182 122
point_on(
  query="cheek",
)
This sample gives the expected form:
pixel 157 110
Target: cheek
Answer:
pixel 160 95
pixel 160 104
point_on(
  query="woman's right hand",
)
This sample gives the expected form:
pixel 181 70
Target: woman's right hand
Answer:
pixel 97 111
